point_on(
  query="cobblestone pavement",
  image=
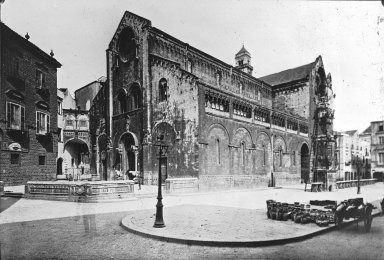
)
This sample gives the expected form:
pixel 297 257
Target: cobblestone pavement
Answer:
pixel 100 237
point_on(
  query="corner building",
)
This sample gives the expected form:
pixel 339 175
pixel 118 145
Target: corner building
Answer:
pixel 28 110
pixel 225 127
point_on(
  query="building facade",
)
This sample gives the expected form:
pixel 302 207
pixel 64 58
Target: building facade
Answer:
pixel 350 146
pixel 28 110
pixel 224 127
pixel 377 149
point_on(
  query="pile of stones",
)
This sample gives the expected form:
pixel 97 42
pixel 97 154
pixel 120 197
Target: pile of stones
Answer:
pixel 300 213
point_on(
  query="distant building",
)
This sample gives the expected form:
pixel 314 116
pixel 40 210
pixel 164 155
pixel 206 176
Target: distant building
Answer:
pixel 75 144
pixel 28 110
pixel 350 145
pixel 377 149
pixel 225 127
pixel 85 95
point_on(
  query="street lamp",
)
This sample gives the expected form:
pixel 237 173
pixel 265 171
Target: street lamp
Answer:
pixel 163 148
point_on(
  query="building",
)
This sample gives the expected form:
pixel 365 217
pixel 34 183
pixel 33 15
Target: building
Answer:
pixel 28 110
pixel 377 149
pixel 350 145
pixel 65 102
pixel 74 146
pixel 85 95
pixel 224 127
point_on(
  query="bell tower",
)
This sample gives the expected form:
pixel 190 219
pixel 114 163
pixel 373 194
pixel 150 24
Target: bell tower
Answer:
pixel 243 61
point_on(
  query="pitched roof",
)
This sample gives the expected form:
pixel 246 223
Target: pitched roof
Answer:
pixel 29 45
pixel 351 132
pixel 368 130
pixel 289 75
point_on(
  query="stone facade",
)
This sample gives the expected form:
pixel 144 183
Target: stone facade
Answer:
pixel 28 110
pixel 223 126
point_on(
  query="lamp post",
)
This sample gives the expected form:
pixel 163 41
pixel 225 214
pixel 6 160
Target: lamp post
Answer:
pixel 163 147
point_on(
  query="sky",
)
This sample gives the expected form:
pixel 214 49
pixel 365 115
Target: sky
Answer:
pixel 279 35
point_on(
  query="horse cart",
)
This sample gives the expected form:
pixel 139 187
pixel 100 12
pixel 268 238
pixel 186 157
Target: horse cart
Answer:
pixel 355 209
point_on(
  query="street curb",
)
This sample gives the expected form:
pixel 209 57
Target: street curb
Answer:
pixel 257 243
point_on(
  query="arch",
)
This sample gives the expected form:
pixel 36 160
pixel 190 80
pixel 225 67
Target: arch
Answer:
pixel 76 140
pixel 305 161
pixel 242 134
pixel 127 46
pixel 279 142
pixel 216 157
pixel 263 149
pixel 122 100
pixel 163 90
pixel 134 137
pixel 168 131
pixel 126 161
pixel 134 97
pixel 214 125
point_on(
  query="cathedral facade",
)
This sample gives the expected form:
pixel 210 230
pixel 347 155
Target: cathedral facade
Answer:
pixel 224 128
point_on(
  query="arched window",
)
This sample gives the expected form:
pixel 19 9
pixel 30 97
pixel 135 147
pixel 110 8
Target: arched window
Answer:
pixel 218 150
pixel 135 98
pixel 122 101
pixel 242 154
pixel 163 87
pixel 264 155
pixel 127 45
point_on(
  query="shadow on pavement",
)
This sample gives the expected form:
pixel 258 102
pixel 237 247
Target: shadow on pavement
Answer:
pixel 6 202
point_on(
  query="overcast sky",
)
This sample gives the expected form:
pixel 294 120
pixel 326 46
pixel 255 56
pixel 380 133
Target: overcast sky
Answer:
pixel 278 34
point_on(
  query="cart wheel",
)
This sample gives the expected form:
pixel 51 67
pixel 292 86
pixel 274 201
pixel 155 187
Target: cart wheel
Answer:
pixel 368 220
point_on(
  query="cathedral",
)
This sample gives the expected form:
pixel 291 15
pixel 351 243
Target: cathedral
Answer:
pixel 223 128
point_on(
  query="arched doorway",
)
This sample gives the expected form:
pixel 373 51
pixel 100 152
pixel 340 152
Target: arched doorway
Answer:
pixel 127 158
pixel 76 158
pixel 59 166
pixel 305 162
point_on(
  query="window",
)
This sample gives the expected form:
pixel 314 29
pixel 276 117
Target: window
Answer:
pixel 135 98
pixel 40 79
pixel 82 123
pixel 163 90
pixel 42 160
pixel 293 158
pixel 218 150
pixel 15 158
pixel 381 139
pixel 381 128
pixel 258 95
pixel 122 99
pixel 381 158
pixel 264 155
pixel 189 66
pixel 69 122
pixel 42 123
pixel 15 116
pixel 59 135
pixel 242 110
pixel 241 63
pixel 59 107
pixel 242 154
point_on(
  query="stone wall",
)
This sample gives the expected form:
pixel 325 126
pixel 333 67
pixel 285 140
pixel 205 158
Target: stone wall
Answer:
pixel 18 72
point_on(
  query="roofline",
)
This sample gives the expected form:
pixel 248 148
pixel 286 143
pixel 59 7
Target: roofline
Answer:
pixel 29 44
pixel 162 33
pixel 87 85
